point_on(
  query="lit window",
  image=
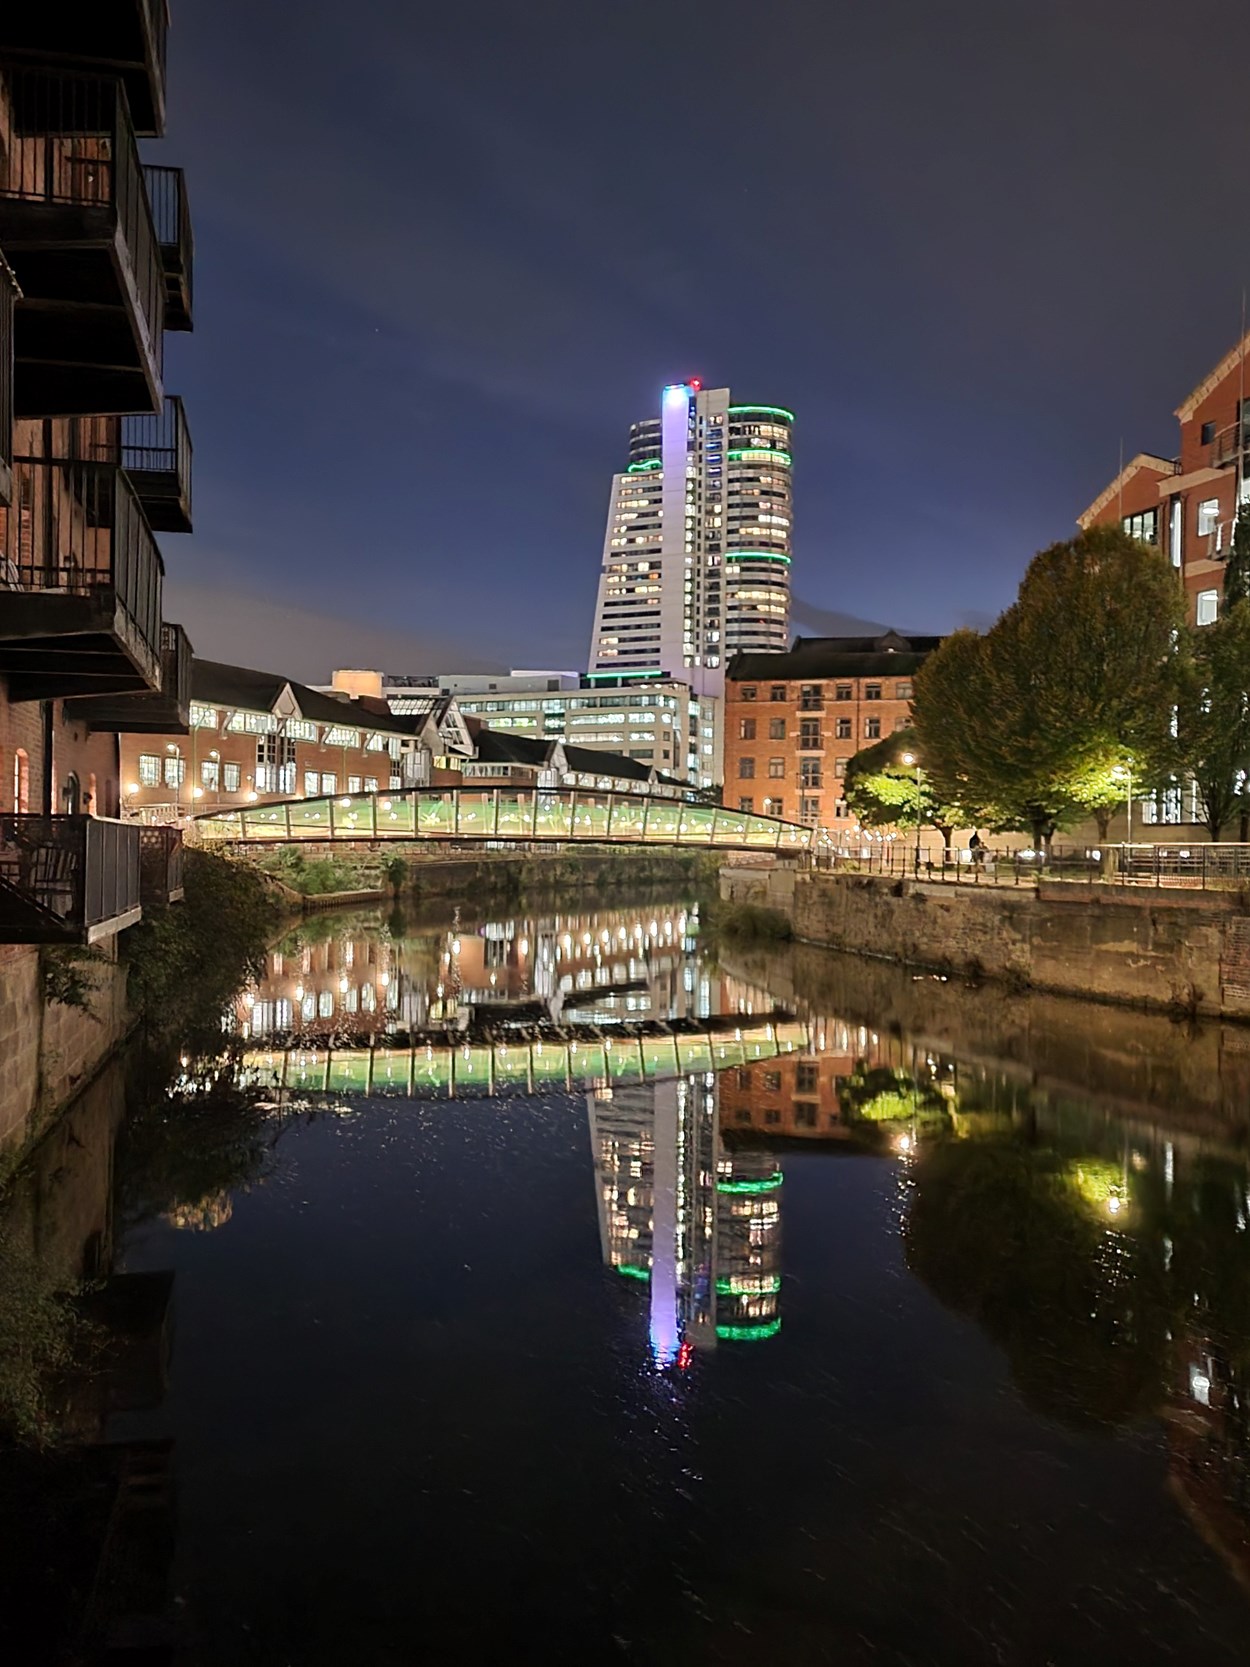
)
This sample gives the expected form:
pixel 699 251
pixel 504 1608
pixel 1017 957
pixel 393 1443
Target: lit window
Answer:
pixel 1208 516
pixel 746 804
pixel 776 768
pixel 746 729
pixel 149 770
pixel 1208 607
pixel 312 783
pixel 210 774
pixel 1143 526
pixel 746 769
pixel 872 729
pixel 231 777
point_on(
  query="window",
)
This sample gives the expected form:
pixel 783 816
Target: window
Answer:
pixel 805 1077
pixel 354 784
pixel 902 691
pixel 811 697
pixel 777 692
pixel 149 770
pixel 772 807
pixel 772 1082
pixel 1143 526
pixel 746 769
pixel 202 717
pixel 872 729
pixel 839 810
pixel 809 772
pixel 809 732
pixel 312 783
pixel 804 1116
pixel 1207 434
pixel 809 811
pixel 747 692
pixel 301 729
pixel 371 784
pixel 210 774
pixel 842 691
pixel 1176 523
pixel 872 691
pixel 329 783
pixel 776 768
pixel 839 767
pixel 746 729
pixel 844 729
pixel 1208 516
pixel 776 729
pixel 231 777
pixel 21 782
pixel 746 804
pixel 1208 607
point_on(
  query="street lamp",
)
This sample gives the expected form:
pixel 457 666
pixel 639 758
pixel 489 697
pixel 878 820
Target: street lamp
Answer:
pixel 1122 772
pixel 910 758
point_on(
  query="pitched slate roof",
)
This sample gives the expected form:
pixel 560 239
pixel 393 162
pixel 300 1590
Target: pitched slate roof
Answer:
pixel 890 654
pixel 214 683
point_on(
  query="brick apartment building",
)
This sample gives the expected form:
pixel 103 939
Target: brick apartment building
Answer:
pixel 793 720
pixel 1186 505
pixel 95 266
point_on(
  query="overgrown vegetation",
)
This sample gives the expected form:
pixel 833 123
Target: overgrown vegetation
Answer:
pixel 41 1337
pixel 67 974
pixel 317 877
pixel 744 921
pixel 187 961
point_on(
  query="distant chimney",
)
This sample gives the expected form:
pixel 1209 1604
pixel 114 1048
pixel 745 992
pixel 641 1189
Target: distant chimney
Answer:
pixel 357 683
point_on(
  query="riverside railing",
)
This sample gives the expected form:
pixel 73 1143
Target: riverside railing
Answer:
pixel 67 879
pixel 535 815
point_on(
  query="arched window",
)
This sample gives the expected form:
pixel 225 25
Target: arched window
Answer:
pixel 21 782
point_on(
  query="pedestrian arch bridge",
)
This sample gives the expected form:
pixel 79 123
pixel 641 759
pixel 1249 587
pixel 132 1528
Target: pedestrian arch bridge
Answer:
pixel 509 815
pixel 451 1067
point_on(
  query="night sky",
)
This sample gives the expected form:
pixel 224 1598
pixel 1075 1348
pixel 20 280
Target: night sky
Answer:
pixel 446 253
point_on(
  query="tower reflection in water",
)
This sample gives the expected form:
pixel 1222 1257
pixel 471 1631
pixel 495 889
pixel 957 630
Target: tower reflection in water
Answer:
pixel 678 1210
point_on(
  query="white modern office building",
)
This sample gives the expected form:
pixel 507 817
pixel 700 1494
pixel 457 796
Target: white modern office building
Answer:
pixel 697 553
pixel 659 720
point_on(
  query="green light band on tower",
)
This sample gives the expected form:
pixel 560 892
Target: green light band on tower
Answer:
pixel 759 454
pixel 756 555
pixel 632 1272
pixel 770 1184
pixel 641 468
pixel 762 410
pixel 749 1333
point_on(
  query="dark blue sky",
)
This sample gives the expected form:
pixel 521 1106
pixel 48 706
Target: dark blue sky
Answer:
pixel 446 253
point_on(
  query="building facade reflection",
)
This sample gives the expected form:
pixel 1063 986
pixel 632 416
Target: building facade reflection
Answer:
pixel 697 1222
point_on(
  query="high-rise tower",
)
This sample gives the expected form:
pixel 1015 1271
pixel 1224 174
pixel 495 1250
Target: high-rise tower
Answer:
pixel 696 559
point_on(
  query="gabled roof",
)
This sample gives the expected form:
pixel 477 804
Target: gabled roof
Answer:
pixel 214 683
pixel 889 654
pixel 1211 382
pixel 598 761
pixel 1143 460
pixel 499 746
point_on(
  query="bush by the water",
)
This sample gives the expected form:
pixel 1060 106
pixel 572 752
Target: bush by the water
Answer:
pixel 316 878
pixel 751 920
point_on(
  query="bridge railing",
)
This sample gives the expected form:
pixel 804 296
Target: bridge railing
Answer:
pixel 529 814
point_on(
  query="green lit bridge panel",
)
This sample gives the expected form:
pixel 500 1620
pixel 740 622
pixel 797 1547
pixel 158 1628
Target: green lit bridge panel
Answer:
pixel 566 815
pixel 449 1070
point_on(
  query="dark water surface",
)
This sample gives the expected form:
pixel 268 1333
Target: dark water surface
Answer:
pixel 922 1343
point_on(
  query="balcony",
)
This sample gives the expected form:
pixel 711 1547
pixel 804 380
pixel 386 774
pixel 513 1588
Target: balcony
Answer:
pixel 77 230
pixel 160 866
pixel 156 455
pixel 171 218
pixel 8 298
pixel 67 879
pixel 165 711
pixel 81 614
pixel 124 37
pixel 1229 444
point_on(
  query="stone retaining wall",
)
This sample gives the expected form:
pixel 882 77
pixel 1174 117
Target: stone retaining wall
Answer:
pixel 1178 950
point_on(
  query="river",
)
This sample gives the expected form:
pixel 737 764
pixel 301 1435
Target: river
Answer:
pixel 570 1286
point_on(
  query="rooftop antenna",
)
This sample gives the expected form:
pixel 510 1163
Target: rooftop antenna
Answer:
pixel 1120 481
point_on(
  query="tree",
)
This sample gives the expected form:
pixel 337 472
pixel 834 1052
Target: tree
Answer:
pixel 1237 570
pixel 884 791
pixel 1036 721
pixel 1213 716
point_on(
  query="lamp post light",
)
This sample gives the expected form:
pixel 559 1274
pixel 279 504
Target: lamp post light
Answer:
pixel 1124 772
pixel 911 758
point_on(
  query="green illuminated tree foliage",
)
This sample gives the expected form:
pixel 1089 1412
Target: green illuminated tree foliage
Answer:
pixel 1213 716
pixel 884 791
pixel 1033 723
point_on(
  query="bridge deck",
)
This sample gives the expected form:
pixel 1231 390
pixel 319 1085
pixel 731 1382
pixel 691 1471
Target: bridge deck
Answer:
pixel 508 815
pixel 472 1069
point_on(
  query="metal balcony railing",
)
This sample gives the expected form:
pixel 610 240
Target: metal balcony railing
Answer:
pixel 8 296
pixel 160 865
pixel 156 454
pixel 73 181
pixel 77 530
pixel 1229 444
pixel 128 35
pixel 67 879
pixel 171 218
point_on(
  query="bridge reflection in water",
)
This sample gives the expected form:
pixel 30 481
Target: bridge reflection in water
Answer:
pixel 562 815
pixel 469 1068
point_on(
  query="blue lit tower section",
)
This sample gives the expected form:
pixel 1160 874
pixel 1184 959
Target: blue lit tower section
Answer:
pixel 697 553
